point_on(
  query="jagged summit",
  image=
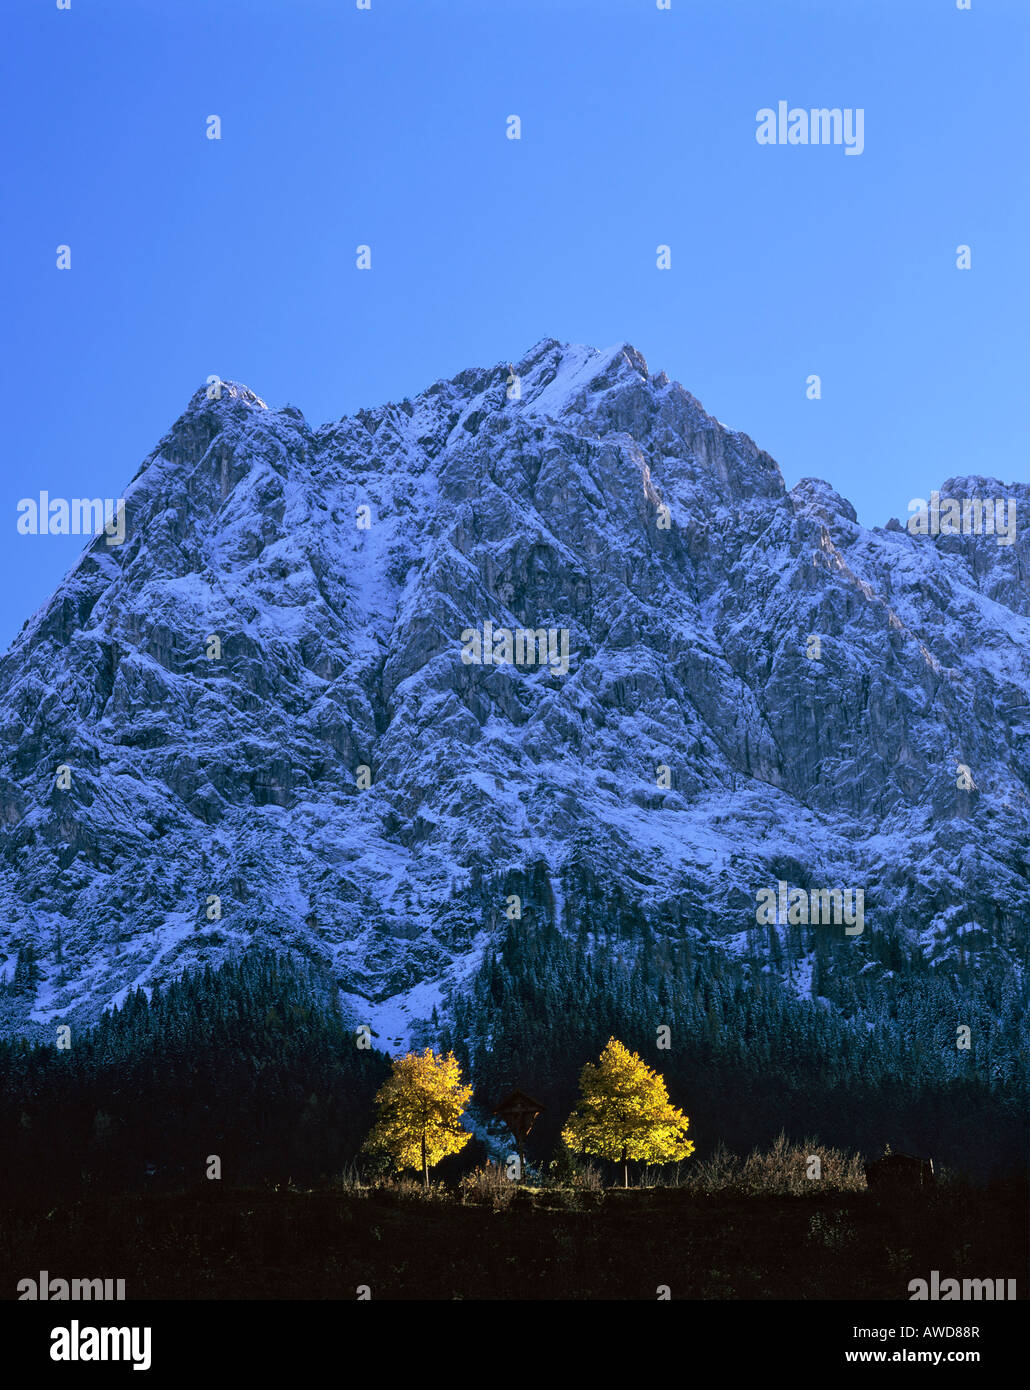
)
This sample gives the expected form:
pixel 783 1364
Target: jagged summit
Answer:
pixel 217 392
pixel 264 699
pixel 557 376
pixel 821 500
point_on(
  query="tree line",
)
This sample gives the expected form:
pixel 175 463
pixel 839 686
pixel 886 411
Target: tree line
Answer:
pixel 253 1063
pixel 804 1031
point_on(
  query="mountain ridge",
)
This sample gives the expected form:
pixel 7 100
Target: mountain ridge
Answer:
pixel 570 491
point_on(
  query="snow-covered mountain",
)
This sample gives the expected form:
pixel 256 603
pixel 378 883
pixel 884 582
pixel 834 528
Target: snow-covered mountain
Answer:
pixel 292 605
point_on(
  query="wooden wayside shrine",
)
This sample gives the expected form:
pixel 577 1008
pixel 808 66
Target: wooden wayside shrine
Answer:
pixel 519 1111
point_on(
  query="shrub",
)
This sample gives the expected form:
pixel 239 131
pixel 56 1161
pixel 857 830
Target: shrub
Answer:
pixel 487 1186
pixel 781 1170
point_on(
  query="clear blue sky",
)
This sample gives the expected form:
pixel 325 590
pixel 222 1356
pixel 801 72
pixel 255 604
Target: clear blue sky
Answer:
pixel 387 127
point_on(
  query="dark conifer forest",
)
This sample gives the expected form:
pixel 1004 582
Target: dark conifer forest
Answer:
pixel 255 1062
pixel 866 1056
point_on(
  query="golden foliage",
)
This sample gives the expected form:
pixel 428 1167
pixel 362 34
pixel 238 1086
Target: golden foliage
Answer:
pixel 419 1111
pixel 625 1113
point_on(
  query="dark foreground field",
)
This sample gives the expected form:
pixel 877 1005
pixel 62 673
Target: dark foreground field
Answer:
pixel 226 1244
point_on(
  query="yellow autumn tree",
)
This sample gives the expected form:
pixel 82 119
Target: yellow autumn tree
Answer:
pixel 419 1112
pixel 624 1112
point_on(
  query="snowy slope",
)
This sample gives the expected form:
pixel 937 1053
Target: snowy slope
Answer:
pixel 339 567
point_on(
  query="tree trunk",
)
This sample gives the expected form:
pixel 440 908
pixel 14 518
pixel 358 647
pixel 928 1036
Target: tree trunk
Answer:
pixel 425 1164
pixel 625 1168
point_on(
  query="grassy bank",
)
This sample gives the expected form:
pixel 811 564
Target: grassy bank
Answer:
pixel 224 1243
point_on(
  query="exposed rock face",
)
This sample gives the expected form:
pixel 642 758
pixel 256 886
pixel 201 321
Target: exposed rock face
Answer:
pixel 595 500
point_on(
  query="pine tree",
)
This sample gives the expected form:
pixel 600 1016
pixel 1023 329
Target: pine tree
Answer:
pixel 27 973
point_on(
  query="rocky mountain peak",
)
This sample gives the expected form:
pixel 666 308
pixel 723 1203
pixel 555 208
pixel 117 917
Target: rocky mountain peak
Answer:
pixel 290 710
